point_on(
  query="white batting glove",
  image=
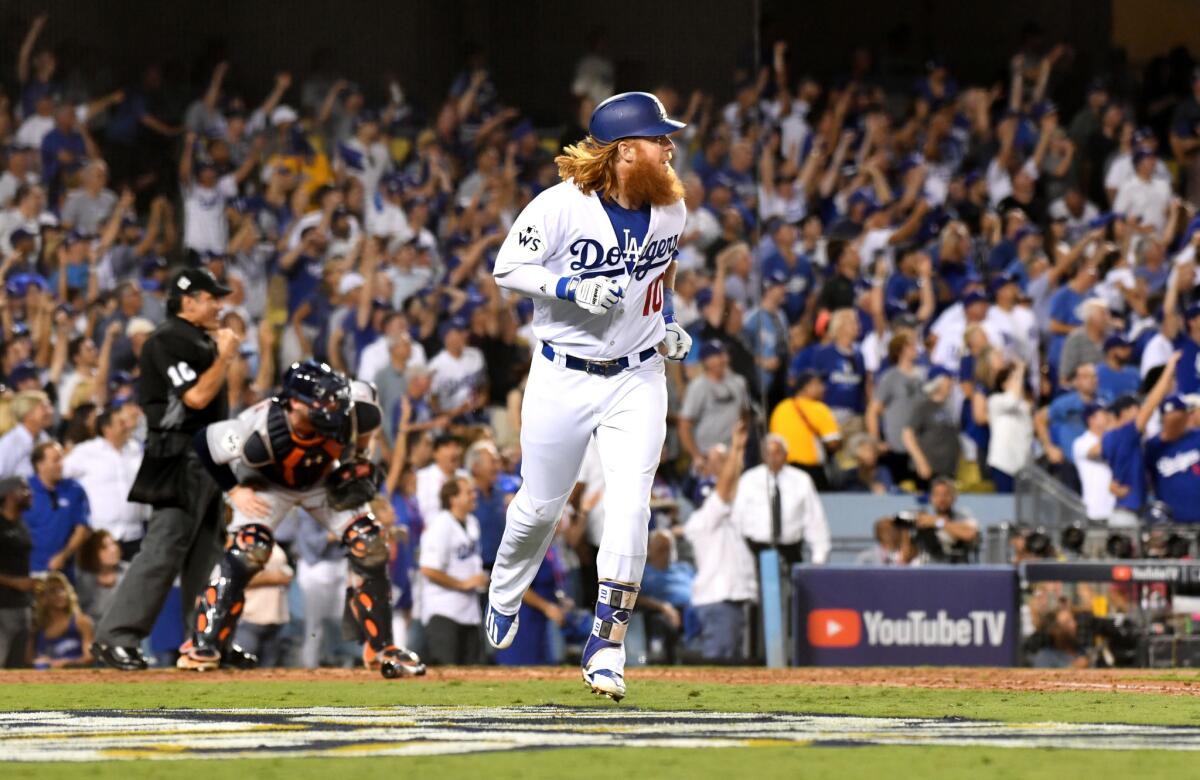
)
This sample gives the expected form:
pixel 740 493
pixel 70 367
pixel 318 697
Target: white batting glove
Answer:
pixel 596 294
pixel 677 342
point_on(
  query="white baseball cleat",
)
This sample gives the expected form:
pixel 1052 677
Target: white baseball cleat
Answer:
pixel 605 673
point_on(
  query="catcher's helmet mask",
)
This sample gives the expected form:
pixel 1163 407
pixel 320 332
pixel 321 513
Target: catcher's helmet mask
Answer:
pixel 323 391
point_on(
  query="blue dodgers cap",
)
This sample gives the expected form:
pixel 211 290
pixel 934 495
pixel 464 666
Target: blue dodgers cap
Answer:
pixel 19 284
pixel 1172 403
pixel 704 297
pixel 1141 153
pixel 1000 282
pixel 22 371
pixel 1090 409
pixel 1114 341
pixel 1192 312
pixel 1025 231
pixel 974 297
pixel 710 348
pixel 19 235
pixel 631 114
pixel 394 184
pixel 454 323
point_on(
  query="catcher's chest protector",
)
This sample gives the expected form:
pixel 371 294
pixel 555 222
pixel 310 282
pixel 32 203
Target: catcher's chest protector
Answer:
pixel 288 459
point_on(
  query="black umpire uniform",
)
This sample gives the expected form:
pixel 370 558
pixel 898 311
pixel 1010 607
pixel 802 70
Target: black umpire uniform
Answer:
pixel 185 533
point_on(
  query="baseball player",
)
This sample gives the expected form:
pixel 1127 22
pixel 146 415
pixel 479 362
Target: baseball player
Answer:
pixel 596 255
pixel 299 449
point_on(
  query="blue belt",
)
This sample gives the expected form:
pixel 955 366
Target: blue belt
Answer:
pixel 597 367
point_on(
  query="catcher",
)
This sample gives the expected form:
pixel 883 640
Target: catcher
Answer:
pixel 301 448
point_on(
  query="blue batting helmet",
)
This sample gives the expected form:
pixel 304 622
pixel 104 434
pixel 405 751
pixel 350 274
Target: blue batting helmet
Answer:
pixel 631 114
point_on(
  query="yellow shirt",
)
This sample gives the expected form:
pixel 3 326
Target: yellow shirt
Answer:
pixel 802 436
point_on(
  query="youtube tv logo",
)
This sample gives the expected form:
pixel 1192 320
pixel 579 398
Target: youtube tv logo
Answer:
pixel 834 628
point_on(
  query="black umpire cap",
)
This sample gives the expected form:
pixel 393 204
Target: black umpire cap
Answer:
pixel 191 281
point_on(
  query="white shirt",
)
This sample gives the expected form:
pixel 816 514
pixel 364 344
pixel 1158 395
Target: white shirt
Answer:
pixel 874 247
pixel 791 209
pixel 950 328
pixel 1145 199
pixel 429 484
pixel 1095 478
pixel 16 447
pixel 388 220
pixel 268 605
pixel 312 219
pixel 1121 170
pixel 570 234
pixel 12 220
pixel 452 548
pixel 9 184
pixel 455 379
pixel 999 182
pixel 1076 226
pixel 704 226
pixel 803 516
pixel 34 130
pixel 365 163
pixel 1016 331
pixel 1011 421
pixel 377 354
pixel 107 474
pixel 205 228
pixel 724 564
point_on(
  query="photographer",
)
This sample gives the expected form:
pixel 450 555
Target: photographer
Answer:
pixel 937 532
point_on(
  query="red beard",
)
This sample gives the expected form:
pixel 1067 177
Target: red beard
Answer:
pixel 652 182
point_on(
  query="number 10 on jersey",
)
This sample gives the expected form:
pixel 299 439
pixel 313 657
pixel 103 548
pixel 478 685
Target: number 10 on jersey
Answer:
pixel 654 297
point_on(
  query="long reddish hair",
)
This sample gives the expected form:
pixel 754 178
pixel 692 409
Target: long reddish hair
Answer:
pixel 592 165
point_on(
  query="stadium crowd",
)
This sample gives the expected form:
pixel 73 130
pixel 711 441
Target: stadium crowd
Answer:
pixel 895 283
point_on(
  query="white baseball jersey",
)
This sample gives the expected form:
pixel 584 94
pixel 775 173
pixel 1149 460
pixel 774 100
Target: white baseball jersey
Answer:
pixel 570 234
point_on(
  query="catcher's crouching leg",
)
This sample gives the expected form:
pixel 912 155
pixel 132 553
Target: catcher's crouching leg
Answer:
pixel 370 601
pixel 223 599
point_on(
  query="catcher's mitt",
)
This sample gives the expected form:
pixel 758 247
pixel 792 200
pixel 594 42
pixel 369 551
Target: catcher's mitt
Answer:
pixel 353 483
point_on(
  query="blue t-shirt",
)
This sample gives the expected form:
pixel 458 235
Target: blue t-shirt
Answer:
pixel 767 336
pixel 672 584
pixel 1114 383
pixel 1066 422
pixel 1063 304
pixel 1121 449
pixel 53 517
pixel 1187 373
pixel 489 511
pixel 897 293
pixel 302 281
pixel 1175 469
pixel 801 282
pixel 845 377
pixel 1001 255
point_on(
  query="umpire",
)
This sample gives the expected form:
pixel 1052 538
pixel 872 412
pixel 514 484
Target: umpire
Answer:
pixel 182 389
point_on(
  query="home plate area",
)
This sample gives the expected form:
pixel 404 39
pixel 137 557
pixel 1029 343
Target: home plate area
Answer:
pixel 100 735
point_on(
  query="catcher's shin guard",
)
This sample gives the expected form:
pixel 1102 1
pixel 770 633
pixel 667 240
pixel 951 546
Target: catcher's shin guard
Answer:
pixel 221 604
pixel 370 601
pixel 604 653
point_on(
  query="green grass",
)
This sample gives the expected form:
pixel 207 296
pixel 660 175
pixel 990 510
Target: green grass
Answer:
pixel 652 764
pixel 759 763
pixel 1076 707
